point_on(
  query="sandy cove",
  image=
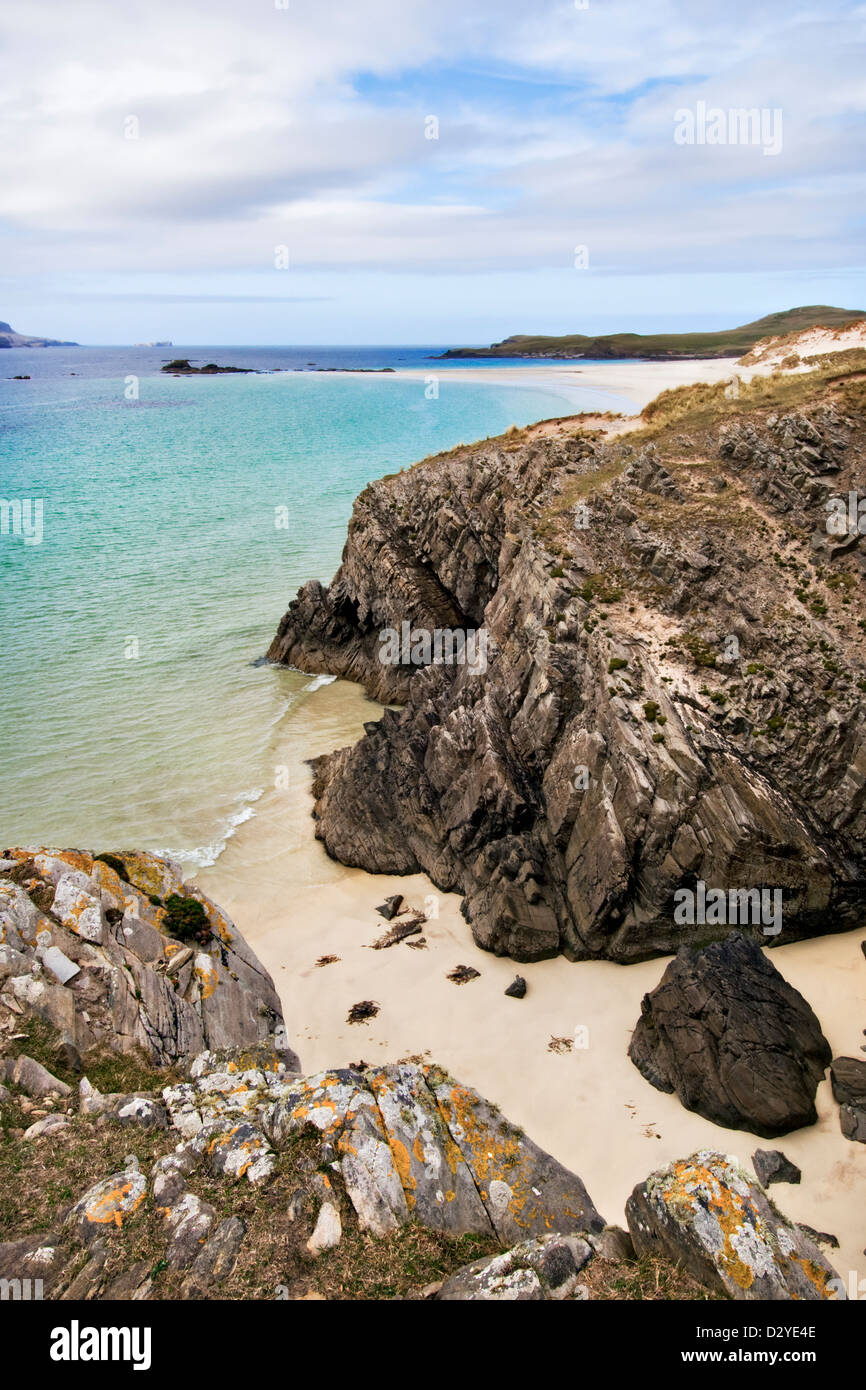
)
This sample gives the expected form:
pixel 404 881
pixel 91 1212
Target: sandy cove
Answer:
pixel 587 1104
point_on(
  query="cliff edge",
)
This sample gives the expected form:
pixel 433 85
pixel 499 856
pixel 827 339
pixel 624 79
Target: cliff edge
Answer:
pixel 656 688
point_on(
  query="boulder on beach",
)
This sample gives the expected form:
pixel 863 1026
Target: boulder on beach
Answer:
pixel 706 1213
pixel 738 1044
pixel 848 1079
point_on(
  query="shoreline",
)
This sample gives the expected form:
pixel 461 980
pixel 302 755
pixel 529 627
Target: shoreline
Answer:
pixel 637 382
pixel 630 383
pixel 588 1106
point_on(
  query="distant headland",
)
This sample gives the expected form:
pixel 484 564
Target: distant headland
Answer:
pixel 10 339
pixel 732 342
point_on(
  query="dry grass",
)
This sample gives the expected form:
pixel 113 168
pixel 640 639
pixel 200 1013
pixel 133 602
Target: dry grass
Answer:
pixel 648 1280
pixel 704 404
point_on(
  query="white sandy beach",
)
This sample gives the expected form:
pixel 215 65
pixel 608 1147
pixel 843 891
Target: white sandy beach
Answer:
pixel 627 386
pixel 588 1105
pixel 632 384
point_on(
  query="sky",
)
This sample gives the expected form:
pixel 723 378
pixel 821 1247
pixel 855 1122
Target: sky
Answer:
pixel 424 171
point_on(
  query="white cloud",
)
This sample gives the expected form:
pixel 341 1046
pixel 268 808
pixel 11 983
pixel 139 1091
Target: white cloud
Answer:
pixel 259 126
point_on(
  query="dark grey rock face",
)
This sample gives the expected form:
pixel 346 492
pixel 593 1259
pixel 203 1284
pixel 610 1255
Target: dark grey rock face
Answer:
pixel 771 1165
pixel 848 1078
pixel 672 692
pixel 733 1039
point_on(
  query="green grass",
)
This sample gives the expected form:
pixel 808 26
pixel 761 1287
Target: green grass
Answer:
pixel 732 342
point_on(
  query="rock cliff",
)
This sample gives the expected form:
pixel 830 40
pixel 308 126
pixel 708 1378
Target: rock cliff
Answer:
pixel 672 693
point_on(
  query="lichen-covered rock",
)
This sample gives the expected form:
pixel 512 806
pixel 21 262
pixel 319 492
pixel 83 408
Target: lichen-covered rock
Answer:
pixel 90 946
pixel 188 1223
pixel 736 1042
pixel 109 1204
pixel 412 1142
pixel 215 1260
pixel 439 1188
pixel 128 1108
pixel 236 1150
pixel 545 1268
pixel 525 1191
pixel 705 1213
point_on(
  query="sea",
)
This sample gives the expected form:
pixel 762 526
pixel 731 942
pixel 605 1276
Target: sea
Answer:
pixel 165 524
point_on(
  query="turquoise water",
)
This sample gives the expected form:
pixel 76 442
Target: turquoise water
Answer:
pixel 132 712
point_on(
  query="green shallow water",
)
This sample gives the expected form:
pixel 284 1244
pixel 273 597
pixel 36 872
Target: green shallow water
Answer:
pixel 132 712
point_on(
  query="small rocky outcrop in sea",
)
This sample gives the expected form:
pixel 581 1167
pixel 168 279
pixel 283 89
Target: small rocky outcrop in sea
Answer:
pixel 182 367
pixel 674 684
pixel 709 1216
pixel 736 1042
pixel 117 950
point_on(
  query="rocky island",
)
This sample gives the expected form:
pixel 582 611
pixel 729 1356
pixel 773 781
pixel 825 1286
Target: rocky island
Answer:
pixel 182 367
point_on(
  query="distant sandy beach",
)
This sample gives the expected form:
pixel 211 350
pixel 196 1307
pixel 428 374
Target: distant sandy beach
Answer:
pixel 629 385
pixel 588 1105
pixel 635 382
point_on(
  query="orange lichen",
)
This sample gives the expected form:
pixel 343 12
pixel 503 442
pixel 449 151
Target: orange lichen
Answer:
pixel 403 1164
pixel 207 977
pixel 729 1209
pixel 815 1274
pixel 105 1209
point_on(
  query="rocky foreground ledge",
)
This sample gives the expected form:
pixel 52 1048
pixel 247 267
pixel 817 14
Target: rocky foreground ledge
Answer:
pixel 675 680
pixel 158 1138
pixel 391 1172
